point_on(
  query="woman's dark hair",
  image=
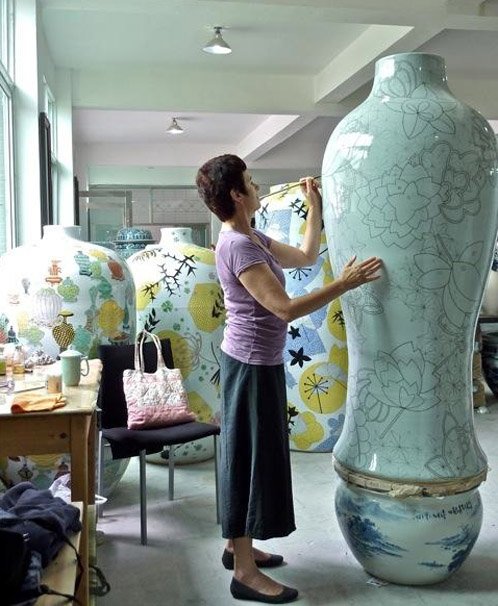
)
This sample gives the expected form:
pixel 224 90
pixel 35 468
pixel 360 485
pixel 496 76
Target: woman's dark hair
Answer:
pixel 216 179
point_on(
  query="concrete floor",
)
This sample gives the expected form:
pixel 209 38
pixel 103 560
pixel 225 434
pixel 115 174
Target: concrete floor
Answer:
pixel 181 565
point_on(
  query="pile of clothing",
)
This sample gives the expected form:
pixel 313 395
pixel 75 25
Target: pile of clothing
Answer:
pixel 34 525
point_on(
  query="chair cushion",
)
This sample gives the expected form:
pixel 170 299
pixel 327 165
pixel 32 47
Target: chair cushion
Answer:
pixel 116 359
pixel 129 442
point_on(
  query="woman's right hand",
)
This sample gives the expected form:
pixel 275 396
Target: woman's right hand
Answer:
pixel 355 274
pixel 309 189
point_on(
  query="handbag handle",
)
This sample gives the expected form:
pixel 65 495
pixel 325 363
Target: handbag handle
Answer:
pixel 139 354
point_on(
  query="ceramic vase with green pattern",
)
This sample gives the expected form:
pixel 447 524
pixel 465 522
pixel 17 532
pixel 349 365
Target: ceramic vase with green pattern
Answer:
pixel 410 176
pixel 61 291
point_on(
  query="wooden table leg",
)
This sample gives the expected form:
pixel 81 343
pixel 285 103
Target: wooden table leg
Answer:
pixel 92 445
pixel 80 433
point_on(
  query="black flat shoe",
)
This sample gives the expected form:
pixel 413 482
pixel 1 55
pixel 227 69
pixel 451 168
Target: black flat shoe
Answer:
pixel 242 592
pixel 271 562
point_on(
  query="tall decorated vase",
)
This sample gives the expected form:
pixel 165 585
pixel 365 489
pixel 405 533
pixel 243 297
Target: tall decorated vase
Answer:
pixel 56 293
pixel 315 354
pixel 410 176
pixel 179 297
pixel 61 291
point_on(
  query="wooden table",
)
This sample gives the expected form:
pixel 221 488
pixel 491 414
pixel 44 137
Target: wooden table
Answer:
pixel 69 429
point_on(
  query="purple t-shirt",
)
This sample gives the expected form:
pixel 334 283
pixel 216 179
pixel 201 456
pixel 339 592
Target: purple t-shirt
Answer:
pixel 252 334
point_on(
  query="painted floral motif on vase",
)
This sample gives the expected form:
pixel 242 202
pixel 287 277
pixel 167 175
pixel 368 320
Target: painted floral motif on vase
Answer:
pixel 62 291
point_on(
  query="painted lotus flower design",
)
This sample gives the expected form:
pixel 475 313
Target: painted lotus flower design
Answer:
pixel 361 303
pixel 399 206
pixel 402 380
pixel 461 176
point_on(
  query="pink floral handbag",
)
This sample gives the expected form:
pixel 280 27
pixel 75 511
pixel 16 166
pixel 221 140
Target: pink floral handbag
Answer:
pixel 155 399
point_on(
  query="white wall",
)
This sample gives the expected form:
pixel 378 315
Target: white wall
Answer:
pixel 160 164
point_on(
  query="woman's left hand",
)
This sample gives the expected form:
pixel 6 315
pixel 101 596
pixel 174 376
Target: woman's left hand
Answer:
pixel 309 187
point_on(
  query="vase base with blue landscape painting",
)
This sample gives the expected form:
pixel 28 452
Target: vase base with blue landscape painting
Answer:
pixel 418 540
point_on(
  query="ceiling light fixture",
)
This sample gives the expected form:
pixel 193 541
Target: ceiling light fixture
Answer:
pixel 174 128
pixel 217 46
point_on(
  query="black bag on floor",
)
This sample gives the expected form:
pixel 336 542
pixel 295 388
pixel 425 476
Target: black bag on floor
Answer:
pixel 35 525
pixel 14 562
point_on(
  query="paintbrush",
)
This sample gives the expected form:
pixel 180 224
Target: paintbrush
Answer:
pixel 286 188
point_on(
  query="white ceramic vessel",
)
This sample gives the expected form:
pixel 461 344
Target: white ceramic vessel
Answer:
pixel 61 291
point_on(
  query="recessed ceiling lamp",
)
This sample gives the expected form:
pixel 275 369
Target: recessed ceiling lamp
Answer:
pixel 217 46
pixel 174 128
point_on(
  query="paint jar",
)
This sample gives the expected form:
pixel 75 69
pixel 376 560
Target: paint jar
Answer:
pixel 18 360
pixel 54 380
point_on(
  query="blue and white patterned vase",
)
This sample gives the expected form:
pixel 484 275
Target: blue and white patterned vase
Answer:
pixel 410 176
pixel 130 240
pixel 315 355
pixel 179 297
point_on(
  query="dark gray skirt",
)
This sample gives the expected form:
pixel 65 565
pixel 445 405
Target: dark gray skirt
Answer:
pixel 255 472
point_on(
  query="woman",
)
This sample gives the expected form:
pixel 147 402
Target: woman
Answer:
pixel 255 475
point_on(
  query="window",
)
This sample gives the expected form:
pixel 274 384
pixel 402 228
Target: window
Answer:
pixel 6 154
pixel 50 109
pixel 6 38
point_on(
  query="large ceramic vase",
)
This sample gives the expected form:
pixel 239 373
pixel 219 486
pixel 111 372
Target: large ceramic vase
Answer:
pixel 410 176
pixel 315 354
pixel 62 291
pixel 179 297
pixel 59 292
